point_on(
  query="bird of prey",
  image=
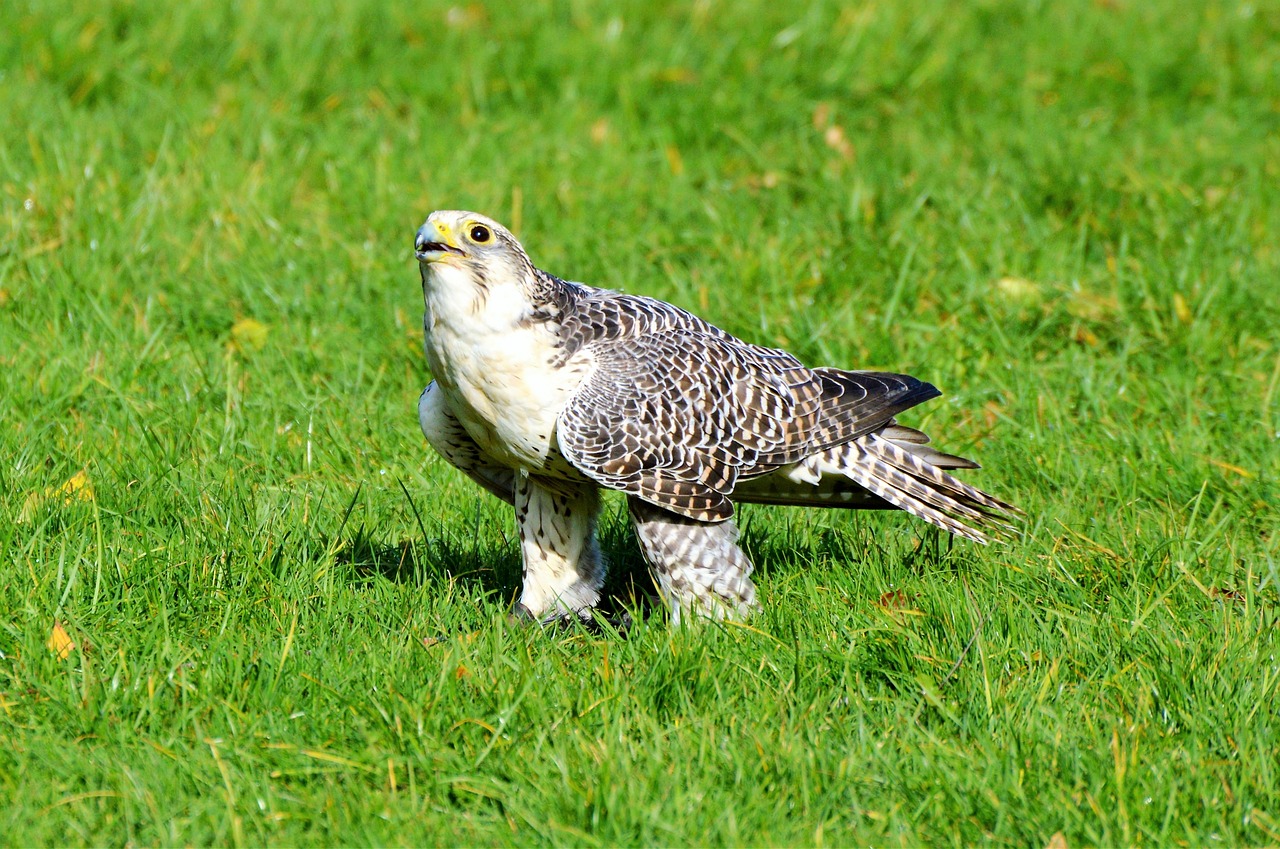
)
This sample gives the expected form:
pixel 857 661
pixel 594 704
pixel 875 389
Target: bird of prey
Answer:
pixel 547 391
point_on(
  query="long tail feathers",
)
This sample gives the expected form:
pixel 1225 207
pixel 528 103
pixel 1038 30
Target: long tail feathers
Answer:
pixel 891 468
pixel 922 489
pixel 930 471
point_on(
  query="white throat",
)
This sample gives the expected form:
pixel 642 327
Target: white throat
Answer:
pixel 495 367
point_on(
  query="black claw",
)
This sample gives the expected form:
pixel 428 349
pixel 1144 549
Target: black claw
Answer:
pixel 621 622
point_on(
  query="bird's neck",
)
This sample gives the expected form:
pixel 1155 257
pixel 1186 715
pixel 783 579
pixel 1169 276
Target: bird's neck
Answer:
pixel 468 304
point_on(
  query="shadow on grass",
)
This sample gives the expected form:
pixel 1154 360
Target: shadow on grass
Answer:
pixel 495 570
pixel 432 560
pixel 778 545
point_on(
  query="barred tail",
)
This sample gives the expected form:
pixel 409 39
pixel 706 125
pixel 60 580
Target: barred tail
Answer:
pixel 891 468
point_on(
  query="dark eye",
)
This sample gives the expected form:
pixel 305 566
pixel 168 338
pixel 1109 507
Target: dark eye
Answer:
pixel 480 234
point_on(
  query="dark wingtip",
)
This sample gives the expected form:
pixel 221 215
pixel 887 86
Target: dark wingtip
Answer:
pixel 872 398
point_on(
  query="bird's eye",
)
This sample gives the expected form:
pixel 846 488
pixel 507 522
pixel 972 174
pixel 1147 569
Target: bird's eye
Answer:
pixel 480 234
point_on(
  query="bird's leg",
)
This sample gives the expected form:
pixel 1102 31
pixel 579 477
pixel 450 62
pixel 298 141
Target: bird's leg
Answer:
pixel 563 569
pixel 699 566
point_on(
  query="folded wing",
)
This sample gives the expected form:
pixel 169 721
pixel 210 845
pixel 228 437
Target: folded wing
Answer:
pixel 680 413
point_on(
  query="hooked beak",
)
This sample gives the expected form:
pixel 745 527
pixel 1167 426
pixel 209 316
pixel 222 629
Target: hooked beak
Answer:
pixel 432 244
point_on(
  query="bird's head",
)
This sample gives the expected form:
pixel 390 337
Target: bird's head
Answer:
pixel 472 243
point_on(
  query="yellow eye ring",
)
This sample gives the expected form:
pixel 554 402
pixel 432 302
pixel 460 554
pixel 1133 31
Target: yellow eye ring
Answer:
pixel 480 234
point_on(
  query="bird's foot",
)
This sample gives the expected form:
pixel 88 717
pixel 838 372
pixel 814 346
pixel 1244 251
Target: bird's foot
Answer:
pixel 590 618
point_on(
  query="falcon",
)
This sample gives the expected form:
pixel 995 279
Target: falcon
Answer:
pixel 547 391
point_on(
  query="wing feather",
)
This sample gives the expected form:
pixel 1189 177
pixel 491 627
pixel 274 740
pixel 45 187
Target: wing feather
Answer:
pixel 676 411
pixel 876 471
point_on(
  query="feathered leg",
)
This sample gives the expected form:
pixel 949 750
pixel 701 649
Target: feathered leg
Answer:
pixel 563 569
pixel 699 566
pixel 556 520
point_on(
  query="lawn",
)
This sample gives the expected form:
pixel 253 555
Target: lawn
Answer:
pixel 242 603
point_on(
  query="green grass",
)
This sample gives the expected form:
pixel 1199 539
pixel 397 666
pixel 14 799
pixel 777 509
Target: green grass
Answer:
pixel 1063 214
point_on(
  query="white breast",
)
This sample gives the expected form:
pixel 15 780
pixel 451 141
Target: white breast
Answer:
pixel 495 368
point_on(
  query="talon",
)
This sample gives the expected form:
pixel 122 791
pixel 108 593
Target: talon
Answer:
pixel 521 615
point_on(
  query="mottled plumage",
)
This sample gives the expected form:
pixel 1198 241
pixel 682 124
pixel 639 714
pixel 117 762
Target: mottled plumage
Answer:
pixel 546 391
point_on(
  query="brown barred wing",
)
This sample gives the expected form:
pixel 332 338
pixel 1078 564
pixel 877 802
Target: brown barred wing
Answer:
pixel 673 420
pixel 676 412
